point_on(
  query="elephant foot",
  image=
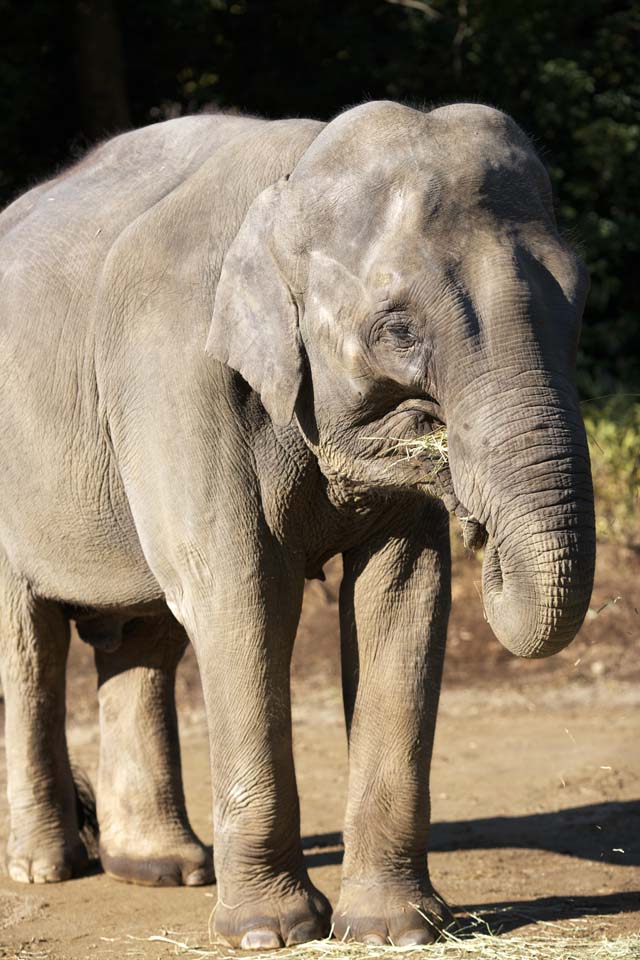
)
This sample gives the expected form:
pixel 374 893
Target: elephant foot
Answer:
pixel 188 863
pixel 47 863
pixel 385 914
pixel 256 923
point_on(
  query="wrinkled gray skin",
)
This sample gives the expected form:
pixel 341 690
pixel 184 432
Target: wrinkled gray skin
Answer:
pixel 372 277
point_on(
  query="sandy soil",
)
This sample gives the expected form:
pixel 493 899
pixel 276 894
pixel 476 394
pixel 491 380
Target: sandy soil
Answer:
pixel 535 785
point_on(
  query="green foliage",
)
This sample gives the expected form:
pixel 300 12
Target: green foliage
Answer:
pixel 567 72
pixel 613 430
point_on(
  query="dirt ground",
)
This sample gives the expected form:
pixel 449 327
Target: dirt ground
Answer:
pixel 535 785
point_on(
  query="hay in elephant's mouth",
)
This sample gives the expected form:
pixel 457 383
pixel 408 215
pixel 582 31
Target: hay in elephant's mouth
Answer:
pixel 434 444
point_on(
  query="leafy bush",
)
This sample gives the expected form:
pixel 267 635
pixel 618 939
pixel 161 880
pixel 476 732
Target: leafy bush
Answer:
pixel 613 430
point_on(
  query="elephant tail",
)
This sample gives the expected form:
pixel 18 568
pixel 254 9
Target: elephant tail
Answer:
pixel 86 812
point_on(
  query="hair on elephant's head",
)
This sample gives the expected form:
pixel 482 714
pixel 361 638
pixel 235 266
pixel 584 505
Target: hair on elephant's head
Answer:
pixel 409 274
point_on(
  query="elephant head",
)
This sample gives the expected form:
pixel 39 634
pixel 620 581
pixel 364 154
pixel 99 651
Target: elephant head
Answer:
pixel 409 274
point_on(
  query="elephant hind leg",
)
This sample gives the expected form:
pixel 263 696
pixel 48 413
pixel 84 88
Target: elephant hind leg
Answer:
pixel 145 835
pixel 44 842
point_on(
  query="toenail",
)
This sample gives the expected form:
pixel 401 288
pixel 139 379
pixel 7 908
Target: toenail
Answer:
pixel 198 877
pixel 374 939
pixel 303 933
pixel 19 874
pixel 260 940
pixel 52 874
pixel 415 938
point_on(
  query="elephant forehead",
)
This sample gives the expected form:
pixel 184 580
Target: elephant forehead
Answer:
pixel 383 128
pixel 369 279
pixel 385 213
pixel 375 128
pixel 381 140
pixel 371 235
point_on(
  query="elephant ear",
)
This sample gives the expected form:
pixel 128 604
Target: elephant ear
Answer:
pixel 254 328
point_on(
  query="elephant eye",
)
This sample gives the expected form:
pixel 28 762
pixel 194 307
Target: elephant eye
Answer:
pixel 401 330
pixel 398 332
pixel 394 327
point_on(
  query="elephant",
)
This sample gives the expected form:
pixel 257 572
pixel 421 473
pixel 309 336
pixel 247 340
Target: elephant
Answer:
pixel 216 332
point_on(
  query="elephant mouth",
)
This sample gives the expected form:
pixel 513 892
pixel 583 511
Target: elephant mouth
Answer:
pixel 403 434
pixel 393 450
pixel 403 426
pixel 406 434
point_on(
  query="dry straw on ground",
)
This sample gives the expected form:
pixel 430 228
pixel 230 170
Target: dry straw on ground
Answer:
pixel 476 946
pixel 560 940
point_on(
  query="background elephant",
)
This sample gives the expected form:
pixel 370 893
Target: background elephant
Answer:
pixel 355 283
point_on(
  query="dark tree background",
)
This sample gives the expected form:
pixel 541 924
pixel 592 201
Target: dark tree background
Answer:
pixel 75 71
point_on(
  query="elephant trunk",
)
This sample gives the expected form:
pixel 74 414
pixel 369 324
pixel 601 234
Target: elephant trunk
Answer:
pixel 531 489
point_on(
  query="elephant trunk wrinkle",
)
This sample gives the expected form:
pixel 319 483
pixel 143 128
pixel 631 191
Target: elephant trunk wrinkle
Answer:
pixel 537 582
pixel 532 491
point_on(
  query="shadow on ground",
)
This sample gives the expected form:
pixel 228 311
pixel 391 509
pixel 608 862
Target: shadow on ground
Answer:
pixel 606 832
pixel 504 917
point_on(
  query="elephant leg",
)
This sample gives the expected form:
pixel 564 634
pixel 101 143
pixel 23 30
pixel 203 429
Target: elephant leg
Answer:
pixel 44 842
pixel 242 624
pixel 145 836
pixel 394 604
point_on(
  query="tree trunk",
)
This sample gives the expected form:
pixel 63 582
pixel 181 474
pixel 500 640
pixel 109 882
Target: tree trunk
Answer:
pixel 100 68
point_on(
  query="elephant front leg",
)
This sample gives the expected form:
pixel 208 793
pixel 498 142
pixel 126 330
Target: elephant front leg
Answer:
pixel 243 629
pixel 394 609
pixel 145 835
